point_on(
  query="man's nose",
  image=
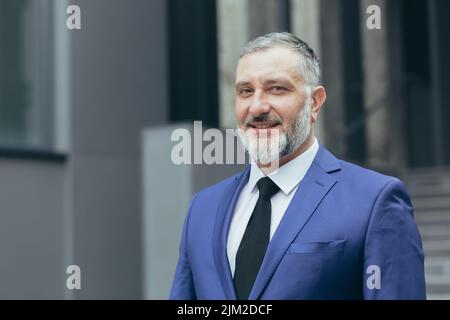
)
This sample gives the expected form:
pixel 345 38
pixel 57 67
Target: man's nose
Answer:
pixel 258 104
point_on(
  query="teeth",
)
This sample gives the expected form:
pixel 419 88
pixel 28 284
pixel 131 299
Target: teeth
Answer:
pixel 265 126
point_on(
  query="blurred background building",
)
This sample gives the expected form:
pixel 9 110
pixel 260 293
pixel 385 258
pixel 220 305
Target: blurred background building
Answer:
pixel 86 118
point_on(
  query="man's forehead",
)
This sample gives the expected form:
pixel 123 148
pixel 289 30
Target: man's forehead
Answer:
pixel 269 64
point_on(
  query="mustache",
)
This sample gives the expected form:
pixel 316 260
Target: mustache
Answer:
pixel 262 118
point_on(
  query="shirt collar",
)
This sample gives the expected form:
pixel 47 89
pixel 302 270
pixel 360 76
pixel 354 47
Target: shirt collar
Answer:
pixel 288 176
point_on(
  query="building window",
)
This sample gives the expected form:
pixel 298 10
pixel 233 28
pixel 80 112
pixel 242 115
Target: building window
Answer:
pixel 26 74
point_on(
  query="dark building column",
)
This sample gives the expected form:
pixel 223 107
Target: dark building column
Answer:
pixel 383 87
pixel 341 68
pixel 332 74
pixel 268 16
pixel 14 96
pixel 439 24
pixel 193 61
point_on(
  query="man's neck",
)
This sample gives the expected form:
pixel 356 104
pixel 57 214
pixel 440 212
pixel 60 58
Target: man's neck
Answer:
pixel 266 169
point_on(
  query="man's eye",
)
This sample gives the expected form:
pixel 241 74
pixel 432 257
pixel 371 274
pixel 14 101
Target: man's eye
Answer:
pixel 277 89
pixel 245 91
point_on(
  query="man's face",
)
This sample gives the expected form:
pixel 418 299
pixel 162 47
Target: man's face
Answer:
pixel 270 97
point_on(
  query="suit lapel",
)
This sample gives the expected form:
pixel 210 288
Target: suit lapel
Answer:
pixel 221 228
pixel 313 188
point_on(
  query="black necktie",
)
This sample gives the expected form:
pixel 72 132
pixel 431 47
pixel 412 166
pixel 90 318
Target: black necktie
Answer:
pixel 255 240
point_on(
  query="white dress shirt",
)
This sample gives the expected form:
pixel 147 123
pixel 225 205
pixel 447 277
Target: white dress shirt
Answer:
pixel 287 178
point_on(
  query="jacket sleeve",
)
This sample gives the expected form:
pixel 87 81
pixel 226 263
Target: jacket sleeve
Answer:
pixel 183 284
pixel 393 254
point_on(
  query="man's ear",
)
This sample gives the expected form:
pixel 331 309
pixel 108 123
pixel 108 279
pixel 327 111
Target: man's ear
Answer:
pixel 319 96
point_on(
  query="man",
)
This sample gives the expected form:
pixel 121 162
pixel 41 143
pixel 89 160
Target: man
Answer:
pixel 315 228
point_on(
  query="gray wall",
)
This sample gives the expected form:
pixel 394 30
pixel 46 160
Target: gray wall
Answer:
pixel 118 78
pixel 87 210
pixel 31 230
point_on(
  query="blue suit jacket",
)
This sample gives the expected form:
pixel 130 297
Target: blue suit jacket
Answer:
pixel 348 233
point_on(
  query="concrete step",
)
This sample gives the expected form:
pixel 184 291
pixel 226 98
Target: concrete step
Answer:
pixel 425 174
pixel 431 217
pixel 437 289
pixel 436 245
pixel 428 183
pixel 437 277
pixel 437 248
pixel 433 281
pixel 438 265
pixel 440 230
pixel 425 191
pixel 430 193
pixel 442 253
pixel 431 296
pixel 428 203
pixel 434 238
pixel 443 180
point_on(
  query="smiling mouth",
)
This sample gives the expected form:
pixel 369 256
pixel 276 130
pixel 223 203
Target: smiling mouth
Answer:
pixel 263 124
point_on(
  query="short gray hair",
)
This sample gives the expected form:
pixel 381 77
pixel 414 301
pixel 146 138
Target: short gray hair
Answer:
pixel 309 62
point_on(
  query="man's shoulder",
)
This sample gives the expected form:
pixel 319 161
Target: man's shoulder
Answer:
pixel 350 172
pixel 366 179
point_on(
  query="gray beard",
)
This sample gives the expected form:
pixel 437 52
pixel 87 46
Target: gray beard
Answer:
pixel 265 151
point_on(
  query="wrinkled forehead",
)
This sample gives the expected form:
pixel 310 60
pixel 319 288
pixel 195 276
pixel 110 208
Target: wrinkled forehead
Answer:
pixel 266 63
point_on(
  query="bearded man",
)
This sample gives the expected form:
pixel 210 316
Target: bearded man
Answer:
pixel 309 227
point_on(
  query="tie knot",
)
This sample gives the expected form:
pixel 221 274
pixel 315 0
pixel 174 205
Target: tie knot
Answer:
pixel 267 188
